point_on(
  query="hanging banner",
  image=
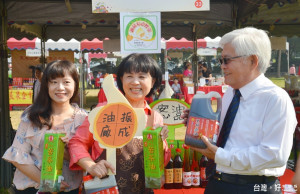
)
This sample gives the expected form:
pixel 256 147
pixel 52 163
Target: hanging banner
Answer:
pixel 20 96
pixel 35 53
pixel 111 59
pixel 207 51
pixel 117 6
pixel 140 32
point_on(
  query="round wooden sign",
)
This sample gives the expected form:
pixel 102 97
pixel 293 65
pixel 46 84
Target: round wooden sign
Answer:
pixel 115 125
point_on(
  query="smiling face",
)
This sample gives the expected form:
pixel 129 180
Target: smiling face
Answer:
pixel 61 89
pixel 136 86
pixel 239 71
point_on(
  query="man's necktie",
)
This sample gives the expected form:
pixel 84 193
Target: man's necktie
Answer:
pixel 225 131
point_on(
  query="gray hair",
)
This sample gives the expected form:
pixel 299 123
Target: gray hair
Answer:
pixel 250 41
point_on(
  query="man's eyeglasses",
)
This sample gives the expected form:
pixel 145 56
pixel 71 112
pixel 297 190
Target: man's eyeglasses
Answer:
pixel 227 59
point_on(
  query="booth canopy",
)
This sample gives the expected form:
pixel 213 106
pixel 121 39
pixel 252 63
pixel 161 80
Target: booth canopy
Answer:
pixel 97 45
pixel 184 44
pixel 281 18
pixel 24 43
pixel 96 55
pixel 32 18
pixel 61 44
pixel 93 45
pixel 212 43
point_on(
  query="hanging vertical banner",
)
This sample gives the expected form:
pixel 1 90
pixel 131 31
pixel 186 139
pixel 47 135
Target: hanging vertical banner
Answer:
pixel 140 32
pixel 117 6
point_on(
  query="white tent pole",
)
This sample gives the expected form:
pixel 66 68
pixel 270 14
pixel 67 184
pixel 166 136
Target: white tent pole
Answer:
pixel 279 64
pixel 166 64
pixel 81 78
pixel 288 56
pixel 194 58
pixel 288 61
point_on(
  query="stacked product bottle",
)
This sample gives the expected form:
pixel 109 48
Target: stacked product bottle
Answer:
pixel 187 174
pixel 177 170
pixel 169 175
pixel 203 163
pixel 195 171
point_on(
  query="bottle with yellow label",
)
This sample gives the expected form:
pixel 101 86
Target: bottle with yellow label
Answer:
pixel 177 170
pixel 169 175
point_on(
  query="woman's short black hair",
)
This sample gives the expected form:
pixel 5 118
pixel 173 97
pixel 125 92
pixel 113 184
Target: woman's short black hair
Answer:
pixel 40 111
pixel 39 68
pixel 186 64
pixel 139 63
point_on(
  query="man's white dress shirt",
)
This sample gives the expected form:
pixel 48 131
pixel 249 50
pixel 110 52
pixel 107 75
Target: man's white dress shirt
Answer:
pixel 261 136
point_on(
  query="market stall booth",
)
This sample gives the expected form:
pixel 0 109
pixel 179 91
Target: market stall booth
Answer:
pixel 77 20
pixel 25 54
pixel 205 47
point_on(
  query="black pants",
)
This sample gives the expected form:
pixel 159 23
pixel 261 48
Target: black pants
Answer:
pixel 30 190
pixel 215 186
pixel 75 191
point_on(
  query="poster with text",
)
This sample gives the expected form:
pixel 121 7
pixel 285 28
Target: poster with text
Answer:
pixel 140 32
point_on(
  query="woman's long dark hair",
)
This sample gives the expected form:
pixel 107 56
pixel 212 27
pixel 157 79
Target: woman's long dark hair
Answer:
pixel 139 63
pixel 41 110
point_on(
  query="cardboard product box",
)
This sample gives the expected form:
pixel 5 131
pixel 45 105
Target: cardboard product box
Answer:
pixel 190 87
pixel 112 190
pixel 153 158
pixel 189 84
pixel 179 76
pixel 95 185
pixel 52 163
pixel 187 80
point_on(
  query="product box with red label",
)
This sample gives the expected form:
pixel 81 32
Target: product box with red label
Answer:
pixel 95 185
pixel 52 163
pixel 153 158
pixel 198 126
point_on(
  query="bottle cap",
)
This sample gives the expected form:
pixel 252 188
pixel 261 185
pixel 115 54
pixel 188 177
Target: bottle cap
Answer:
pixel 185 146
